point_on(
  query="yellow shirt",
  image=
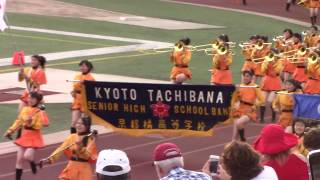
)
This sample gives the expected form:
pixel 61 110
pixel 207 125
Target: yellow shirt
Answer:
pixel 88 153
pixel 34 113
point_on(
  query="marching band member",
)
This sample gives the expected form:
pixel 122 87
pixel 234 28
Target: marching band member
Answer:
pixel 34 76
pixel 291 48
pixel 284 103
pixel 312 85
pixel 31 120
pixel 246 52
pixel 81 151
pixel 221 60
pixel 243 103
pixel 261 50
pixel 77 107
pixel 181 57
pixel 299 59
pixel 311 37
pixel 271 82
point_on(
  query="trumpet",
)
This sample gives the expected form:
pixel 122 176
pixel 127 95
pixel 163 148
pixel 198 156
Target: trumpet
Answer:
pixel 176 48
pixel 220 51
pixel 260 44
pixel 246 45
pixel 268 58
pixel 313 58
pixel 214 45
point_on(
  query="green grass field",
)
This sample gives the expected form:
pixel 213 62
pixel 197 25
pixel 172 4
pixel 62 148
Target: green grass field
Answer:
pixel 136 64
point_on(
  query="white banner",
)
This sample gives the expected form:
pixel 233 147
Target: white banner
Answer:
pixel 3 24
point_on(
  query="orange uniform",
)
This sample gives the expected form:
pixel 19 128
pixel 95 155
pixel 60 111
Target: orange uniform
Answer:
pixel 289 67
pixel 248 64
pixel 221 73
pixel 311 40
pixel 181 60
pixel 284 103
pixel 37 78
pixel 312 85
pixel 256 53
pixel 271 80
pixel 247 97
pixel 299 73
pixel 81 157
pixel 314 4
pixel 31 120
pixel 77 88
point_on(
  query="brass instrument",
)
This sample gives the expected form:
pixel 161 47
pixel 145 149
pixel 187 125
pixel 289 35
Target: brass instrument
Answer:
pixel 214 45
pixel 246 45
pixel 179 46
pixel 260 44
pixel 220 51
pixel 268 58
pixel 313 58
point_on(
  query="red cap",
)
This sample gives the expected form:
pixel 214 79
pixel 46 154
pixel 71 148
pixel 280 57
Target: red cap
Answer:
pixel 166 151
pixel 273 140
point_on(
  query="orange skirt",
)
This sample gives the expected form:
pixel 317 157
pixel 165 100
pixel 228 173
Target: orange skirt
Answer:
pixel 314 4
pixel 312 86
pixel 300 75
pixel 77 171
pixel 245 110
pixel 257 70
pixel 180 70
pixel 248 66
pixel 221 76
pixel 288 67
pixel 30 139
pixel 271 83
pixel 285 119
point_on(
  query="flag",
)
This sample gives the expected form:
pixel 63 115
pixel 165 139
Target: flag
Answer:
pixel 137 108
pixel 307 106
pixel 3 24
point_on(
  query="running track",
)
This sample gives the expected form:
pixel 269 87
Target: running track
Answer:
pixel 195 150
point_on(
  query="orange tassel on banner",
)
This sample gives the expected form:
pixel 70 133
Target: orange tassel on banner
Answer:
pixel 16 56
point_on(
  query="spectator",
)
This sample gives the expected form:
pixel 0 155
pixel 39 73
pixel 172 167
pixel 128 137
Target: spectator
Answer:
pixel 169 164
pixel 312 139
pixel 241 162
pixel 275 145
pixel 113 164
pixel 298 128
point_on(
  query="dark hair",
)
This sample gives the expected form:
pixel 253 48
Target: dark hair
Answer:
pixel 241 161
pixel 186 41
pixel 250 72
pixel 87 63
pixel 113 169
pixel 264 38
pixel 87 123
pixel 296 84
pixel 311 138
pixel 314 27
pixel 253 37
pixel 224 37
pixel 289 31
pixel 298 36
pixel 294 123
pixel 42 60
pixel 37 96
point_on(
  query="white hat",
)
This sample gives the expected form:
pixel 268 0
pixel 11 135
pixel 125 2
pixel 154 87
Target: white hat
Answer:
pixel 112 157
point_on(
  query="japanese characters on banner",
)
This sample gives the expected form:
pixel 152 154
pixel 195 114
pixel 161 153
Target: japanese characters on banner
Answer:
pixel 138 109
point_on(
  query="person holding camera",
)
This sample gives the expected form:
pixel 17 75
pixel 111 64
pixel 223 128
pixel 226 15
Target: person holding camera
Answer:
pixel 239 161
